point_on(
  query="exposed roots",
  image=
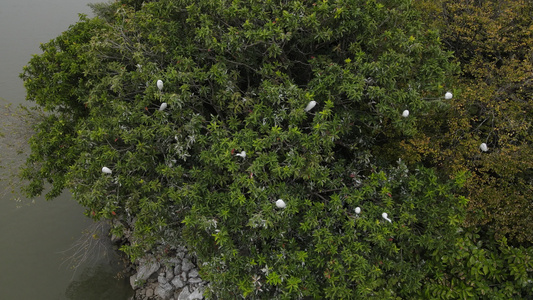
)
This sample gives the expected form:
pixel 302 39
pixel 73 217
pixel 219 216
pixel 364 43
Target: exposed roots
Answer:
pixel 15 131
pixel 92 247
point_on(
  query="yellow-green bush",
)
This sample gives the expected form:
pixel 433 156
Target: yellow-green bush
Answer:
pixel 493 41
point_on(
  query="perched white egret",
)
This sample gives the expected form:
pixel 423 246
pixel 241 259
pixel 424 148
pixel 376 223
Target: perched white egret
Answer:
pixel 242 154
pixel 280 203
pixel 310 105
pixel 163 106
pixel 484 147
pixel 448 96
pixel 405 113
pixel 160 85
pixel 358 210
pixel 106 170
pixel 386 217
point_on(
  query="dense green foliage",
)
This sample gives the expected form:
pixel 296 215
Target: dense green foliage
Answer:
pixel 237 76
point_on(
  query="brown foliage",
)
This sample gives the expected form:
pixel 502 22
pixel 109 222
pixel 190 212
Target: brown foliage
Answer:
pixel 493 41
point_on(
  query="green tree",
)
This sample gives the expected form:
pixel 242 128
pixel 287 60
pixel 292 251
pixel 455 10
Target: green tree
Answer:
pixel 190 120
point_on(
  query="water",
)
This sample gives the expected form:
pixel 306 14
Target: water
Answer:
pixel 33 236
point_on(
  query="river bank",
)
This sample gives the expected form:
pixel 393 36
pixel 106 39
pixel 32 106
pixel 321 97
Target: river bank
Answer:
pixel 173 278
pixel 169 274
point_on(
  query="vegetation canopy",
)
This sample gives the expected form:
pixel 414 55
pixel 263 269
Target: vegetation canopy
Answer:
pixel 188 121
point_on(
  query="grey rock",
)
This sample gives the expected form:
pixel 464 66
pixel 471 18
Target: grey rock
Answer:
pixel 147 268
pixel 186 265
pixel 169 274
pixel 193 273
pixel 174 260
pixel 162 279
pixel 177 282
pixel 184 275
pixel 194 280
pixel 115 239
pixel 164 291
pixel 185 293
pixel 149 292
pixel 177 269
pixel 197 294
pixel 133 279
pixel 181 249
pixel 180 254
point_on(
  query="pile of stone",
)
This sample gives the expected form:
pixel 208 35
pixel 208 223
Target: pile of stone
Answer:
pixel 171 278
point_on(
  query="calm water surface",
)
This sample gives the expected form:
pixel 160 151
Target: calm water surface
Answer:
pixel 33 236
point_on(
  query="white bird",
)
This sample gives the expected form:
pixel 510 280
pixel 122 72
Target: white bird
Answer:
pixel 358 210
pixel 405 113
pixel 280 203
pixel 160 85
pixel 386 217
pixel 310 105
pixel 163 106
pixel 106 170
pixel 448 96
pixel 242 154
pixel 484 147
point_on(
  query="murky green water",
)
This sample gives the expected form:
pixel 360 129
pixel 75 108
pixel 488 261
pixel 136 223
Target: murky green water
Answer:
pixel 35 236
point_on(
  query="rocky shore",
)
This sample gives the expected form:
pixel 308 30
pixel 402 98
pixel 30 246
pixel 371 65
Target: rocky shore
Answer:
pixel 170 278
pixel 168 274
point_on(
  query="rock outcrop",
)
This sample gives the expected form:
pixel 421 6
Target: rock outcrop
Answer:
pixel 175 277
